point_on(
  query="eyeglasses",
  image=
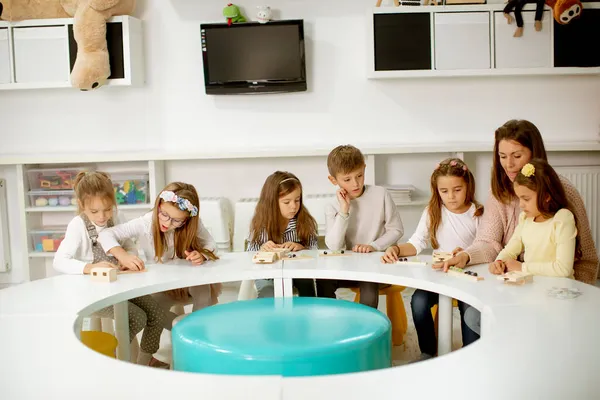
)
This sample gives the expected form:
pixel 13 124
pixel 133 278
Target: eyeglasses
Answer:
pixel 166 218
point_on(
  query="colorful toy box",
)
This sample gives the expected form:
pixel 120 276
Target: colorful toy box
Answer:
pixel 53 178
pixel 47 240
pixel 52 198
pixel 131 188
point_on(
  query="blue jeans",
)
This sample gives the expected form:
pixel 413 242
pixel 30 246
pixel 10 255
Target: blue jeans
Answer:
pixel 421 304
pixel 264 287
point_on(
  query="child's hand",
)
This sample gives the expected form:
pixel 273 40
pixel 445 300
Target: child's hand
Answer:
pixel 456 251
pixel 362 248
pixel 131 262
pixel 512 265
pixel 269 246
pixel 497 267
pixel 344 200
pixel 104 264
pixel 195 257
pixel 391 255
pixel 292 246
pixel 178 294
pixel 460 261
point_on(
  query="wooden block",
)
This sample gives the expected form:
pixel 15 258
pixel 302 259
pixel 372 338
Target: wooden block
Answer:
pixel 516 278
pixel 103 274
pixel 439 257
pixel 265 257
pixel 336 253
pixel 281 252
pixel 461 273
pixel 407 261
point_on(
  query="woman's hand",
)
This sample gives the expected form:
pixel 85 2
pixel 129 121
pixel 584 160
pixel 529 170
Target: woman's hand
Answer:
pixel 195 257
pixel 460 260
pixel 391 255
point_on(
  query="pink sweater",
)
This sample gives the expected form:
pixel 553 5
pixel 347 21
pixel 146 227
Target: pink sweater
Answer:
pixel 500 220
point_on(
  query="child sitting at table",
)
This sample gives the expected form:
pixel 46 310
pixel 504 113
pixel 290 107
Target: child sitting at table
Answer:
pixel 80 252
pixel 364 218
pixel 282 221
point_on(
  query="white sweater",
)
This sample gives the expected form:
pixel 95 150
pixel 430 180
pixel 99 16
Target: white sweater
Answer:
pixel 141 229
pixel 373 219
pixel 75 251
pixel 455 230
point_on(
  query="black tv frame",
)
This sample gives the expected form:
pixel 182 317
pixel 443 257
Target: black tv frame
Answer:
pixel 255 87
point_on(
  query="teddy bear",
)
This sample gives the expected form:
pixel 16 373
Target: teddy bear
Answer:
pixel 92 67
pixel 233 14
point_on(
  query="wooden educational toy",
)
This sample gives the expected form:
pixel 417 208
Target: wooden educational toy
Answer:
pixel 516 278
pixel 103 274
pixel 128 271
pixel 297 257
pixel 334 253
pixel 470 275
pixel 439 257
pixel 269 257
pixel 415 261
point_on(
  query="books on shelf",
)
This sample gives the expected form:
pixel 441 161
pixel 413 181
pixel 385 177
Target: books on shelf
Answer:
pixel 401 194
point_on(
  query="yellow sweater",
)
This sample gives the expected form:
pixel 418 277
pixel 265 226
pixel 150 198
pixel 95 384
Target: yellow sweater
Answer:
pixel 549 246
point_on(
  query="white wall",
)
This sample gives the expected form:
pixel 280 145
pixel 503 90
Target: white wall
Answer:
pixel 172 112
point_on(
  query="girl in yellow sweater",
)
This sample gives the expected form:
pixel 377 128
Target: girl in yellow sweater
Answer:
pixel 546 230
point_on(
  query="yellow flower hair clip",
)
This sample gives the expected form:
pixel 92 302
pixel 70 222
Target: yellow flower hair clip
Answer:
pixel 528 170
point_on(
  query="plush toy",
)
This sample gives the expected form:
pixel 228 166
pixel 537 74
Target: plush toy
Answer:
pixel 564 11
pixel 92 68
pixel 233 14
pixel 264 14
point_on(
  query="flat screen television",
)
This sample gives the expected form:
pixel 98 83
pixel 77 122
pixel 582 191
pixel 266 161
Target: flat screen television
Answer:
pixel 254 58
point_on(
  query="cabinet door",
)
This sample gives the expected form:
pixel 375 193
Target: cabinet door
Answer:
pixel 41 54
pixel 532 50
pixel 4 57
pixel 577 44
pixel 462 40
pixel 402 41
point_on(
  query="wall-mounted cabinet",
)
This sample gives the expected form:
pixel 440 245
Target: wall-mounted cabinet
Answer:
pixel 475 40
pixel 25 46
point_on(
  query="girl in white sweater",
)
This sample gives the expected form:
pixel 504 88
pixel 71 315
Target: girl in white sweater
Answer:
pixel 448 223
pixel 173 229
pixel 80 251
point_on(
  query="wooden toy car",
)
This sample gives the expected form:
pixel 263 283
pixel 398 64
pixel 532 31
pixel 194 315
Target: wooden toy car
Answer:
pixel 439 257
pixel 334 253
pixel 516 277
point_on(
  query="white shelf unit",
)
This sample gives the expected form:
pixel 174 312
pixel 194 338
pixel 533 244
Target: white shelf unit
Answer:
pixel 39 264
pixel 24 45
pixel 455 40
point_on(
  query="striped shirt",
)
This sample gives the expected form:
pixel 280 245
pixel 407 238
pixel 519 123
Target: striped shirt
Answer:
pixel 289 235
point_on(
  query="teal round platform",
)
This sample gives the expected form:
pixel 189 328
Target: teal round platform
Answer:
pixel 299 336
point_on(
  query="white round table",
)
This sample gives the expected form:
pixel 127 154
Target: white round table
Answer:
pixel 532 346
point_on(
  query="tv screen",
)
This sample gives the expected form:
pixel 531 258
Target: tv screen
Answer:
pixel 253 57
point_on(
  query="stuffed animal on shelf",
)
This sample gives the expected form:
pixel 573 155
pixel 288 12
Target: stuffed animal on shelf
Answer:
pixel 264 14
pixel 564 12
pixel 92 67
pixel 233 14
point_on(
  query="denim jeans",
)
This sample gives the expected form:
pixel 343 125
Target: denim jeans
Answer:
pixel 421 304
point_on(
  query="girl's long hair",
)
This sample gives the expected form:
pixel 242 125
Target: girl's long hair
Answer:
pixel 448 167
pixel 186 236
pixel 267 216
